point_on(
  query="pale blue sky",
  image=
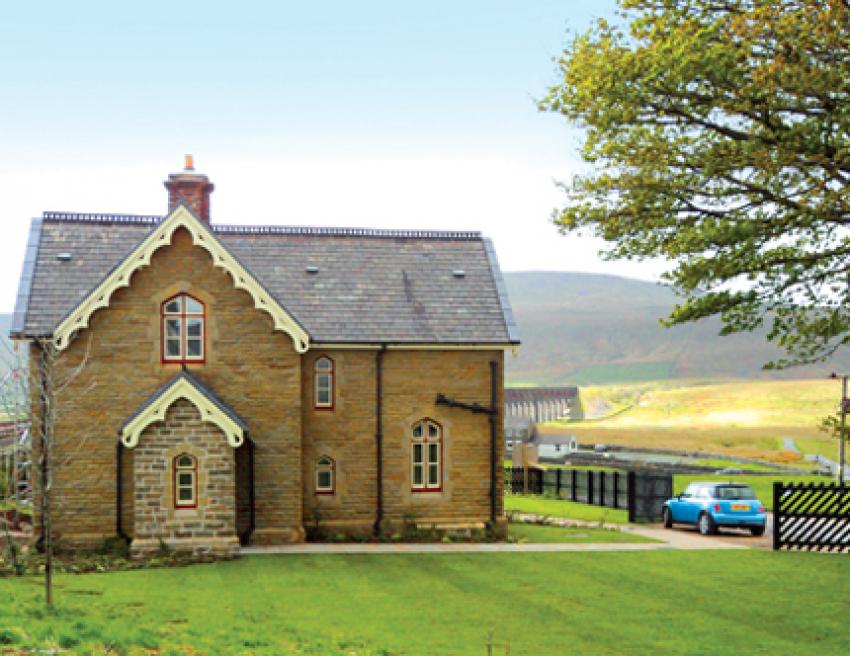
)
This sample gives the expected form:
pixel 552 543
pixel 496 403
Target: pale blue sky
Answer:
pixel 393 114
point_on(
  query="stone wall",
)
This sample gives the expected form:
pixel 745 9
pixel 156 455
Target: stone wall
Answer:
pixel 258 374
pixel 251 368
pixel 411 382
pixel 345 433
pixel 209 528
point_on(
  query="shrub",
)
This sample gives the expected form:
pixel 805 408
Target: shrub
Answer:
pixel 12 636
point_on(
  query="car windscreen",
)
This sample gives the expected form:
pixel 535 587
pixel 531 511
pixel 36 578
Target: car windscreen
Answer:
pixel 734 492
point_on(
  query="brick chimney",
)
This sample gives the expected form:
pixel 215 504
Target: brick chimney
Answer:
pixel 193 188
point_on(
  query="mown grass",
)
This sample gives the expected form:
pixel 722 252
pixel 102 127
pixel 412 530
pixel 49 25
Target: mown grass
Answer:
pixel 717 463
pixel 539 505
pixel 822 445
pixel 541 534
pixel 536 505
pixel 762 485
pixel 658 602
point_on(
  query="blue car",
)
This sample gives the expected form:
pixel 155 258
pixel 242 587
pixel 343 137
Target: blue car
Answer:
pixel 710 505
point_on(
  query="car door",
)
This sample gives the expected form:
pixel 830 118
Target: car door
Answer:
pixel 679 505
pixel 692 504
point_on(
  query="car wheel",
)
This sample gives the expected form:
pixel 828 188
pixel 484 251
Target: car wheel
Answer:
pixel 706 524
pixel 757 531
pixel 667 518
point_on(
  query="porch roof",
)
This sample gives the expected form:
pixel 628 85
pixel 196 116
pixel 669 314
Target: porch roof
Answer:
pixel 184 385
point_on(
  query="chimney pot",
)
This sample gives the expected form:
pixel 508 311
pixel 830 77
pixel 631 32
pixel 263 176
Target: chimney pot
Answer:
pixel 192 188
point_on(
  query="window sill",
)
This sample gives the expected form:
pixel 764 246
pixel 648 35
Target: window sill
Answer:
pixel 186 510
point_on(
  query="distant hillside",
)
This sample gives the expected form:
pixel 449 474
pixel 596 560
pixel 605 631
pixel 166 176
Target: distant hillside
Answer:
pixel 582 328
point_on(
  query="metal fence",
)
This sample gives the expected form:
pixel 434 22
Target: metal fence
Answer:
pixel 811 517
pixel 642 494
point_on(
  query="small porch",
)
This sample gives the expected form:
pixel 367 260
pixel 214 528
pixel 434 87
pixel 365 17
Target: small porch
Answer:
pixel 185 474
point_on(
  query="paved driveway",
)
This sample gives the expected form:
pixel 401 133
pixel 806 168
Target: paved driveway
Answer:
pixel 729 536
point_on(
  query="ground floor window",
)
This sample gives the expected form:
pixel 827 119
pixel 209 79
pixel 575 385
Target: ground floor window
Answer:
pixel 185 481
pixel 325 475
pixel 426 473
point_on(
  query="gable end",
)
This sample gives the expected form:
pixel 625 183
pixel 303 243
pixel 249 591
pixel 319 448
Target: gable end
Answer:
pixel 78 318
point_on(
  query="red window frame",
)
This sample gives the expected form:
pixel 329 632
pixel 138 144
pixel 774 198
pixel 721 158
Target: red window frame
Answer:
pixel 184 317
pixel 425 441
pixel 331 464
pixel 177 469
pixel 331 374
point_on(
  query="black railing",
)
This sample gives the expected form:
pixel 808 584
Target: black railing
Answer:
pixel 811 517
pixel 642 494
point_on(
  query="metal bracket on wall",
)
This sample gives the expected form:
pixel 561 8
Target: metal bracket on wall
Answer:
pixel 442 399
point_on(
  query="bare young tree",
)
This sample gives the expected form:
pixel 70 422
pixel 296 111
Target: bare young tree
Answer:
pixel 51 382
pixel 43 383
pixel 14 447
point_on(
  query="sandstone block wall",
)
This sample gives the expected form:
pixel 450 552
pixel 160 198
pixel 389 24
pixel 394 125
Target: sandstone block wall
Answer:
pixel 258 374
pixel 411 382
pixel 209 527
pixel 253 369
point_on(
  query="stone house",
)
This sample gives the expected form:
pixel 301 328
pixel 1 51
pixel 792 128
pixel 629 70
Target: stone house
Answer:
pixel 245 383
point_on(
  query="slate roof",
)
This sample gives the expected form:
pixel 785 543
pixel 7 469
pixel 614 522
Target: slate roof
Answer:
pixel 196 383
pixel 392 286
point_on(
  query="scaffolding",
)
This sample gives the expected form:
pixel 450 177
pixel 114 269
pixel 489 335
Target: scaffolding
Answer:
pixel 15 448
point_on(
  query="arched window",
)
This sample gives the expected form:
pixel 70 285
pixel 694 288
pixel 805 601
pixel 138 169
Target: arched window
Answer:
pixel 323 383
pixel 185 481
pixel 426 456
pixel 325 475
pixel 183 334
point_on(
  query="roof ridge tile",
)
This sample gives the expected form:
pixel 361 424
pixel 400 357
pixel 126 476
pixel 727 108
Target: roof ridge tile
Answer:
pixel 384 233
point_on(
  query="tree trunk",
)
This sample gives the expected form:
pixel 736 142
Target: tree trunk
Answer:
pixel 46 425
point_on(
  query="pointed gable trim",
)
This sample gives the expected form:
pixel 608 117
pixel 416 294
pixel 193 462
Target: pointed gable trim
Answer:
pixel 180 217
pixel 184 386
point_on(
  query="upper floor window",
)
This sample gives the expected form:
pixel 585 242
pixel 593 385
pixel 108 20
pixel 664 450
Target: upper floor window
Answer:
pixel 325 476
pixel 426 457
pixel 183 329
pixel 185 481
pixel 323 383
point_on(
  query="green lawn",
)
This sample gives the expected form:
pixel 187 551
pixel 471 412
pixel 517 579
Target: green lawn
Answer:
pixel 762 485
pixel 557 508
pixel 822 444
pixel 659 602
pixel 717 463
pixel 536 533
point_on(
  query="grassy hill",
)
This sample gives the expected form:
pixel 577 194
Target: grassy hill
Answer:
pixel 580 328
pixel 746 418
